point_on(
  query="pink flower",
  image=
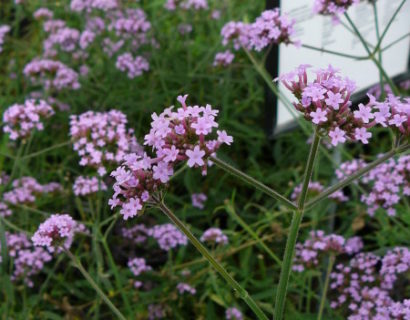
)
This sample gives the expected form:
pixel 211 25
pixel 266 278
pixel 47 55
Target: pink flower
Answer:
pixel 334 100
pixel 195 157
pixel 223 137
pixel 364 113
pixel 337 136
pixel 318 116
pixel 362 135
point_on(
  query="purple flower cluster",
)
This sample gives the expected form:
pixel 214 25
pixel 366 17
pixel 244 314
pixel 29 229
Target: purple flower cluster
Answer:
pixel 214 236
pixel 183 287
pixel 43 13
pixel 84 186
pixel 133 66
pixel 363 291
pixel 102 138
pixel 52 75
pixel 28 260
pixel 326 103
pixel 89 5
pixel 393 113
pixel 156 311
pixel 137 267
pixel 386 184
pixel 172 5
pixel 233 314
pixel 223 59
pixel 57 232
pixel 315 188
pixel 198 200
pixel 4 29
pixel 51 26
pixel 130 24
pixel 184 28
pixel 332 7
pixel 66 39
pixel 270 27
pixel 20 120
pixel 309 253
pixel 175 136
pixel 347 168
pixel 5 211
pixel 26 189
pixel 168 236
pixel 137 234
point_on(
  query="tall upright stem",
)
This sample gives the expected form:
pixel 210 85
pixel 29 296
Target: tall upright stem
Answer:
pixel 90 280
pixel 206 254
pixel 326 285
pixel 293 232
pixel 376 24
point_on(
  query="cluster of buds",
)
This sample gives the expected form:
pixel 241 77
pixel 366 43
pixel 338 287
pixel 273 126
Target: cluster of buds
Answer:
pixel 57 232
pixel 102 138
pixel 175 137
pixel 309 254
pixel 21 119
pixel 52 75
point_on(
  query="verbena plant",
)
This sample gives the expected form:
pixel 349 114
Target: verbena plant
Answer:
pixel 105 38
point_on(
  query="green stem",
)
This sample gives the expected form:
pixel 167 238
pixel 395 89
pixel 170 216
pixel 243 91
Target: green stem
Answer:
pixel 230 208
pixel 371 55
pixel 356 175
pixel 326 286
pixel 391 44
pixel 376 22
pixel 388 26
pixel 253 182
pixel 118 280
pixel 198 245
pixel 35 154
pixel 293 233
pixel 90 280
pixel 334 52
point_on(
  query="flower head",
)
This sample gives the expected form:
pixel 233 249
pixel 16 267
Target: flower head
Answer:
pixel 56 232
